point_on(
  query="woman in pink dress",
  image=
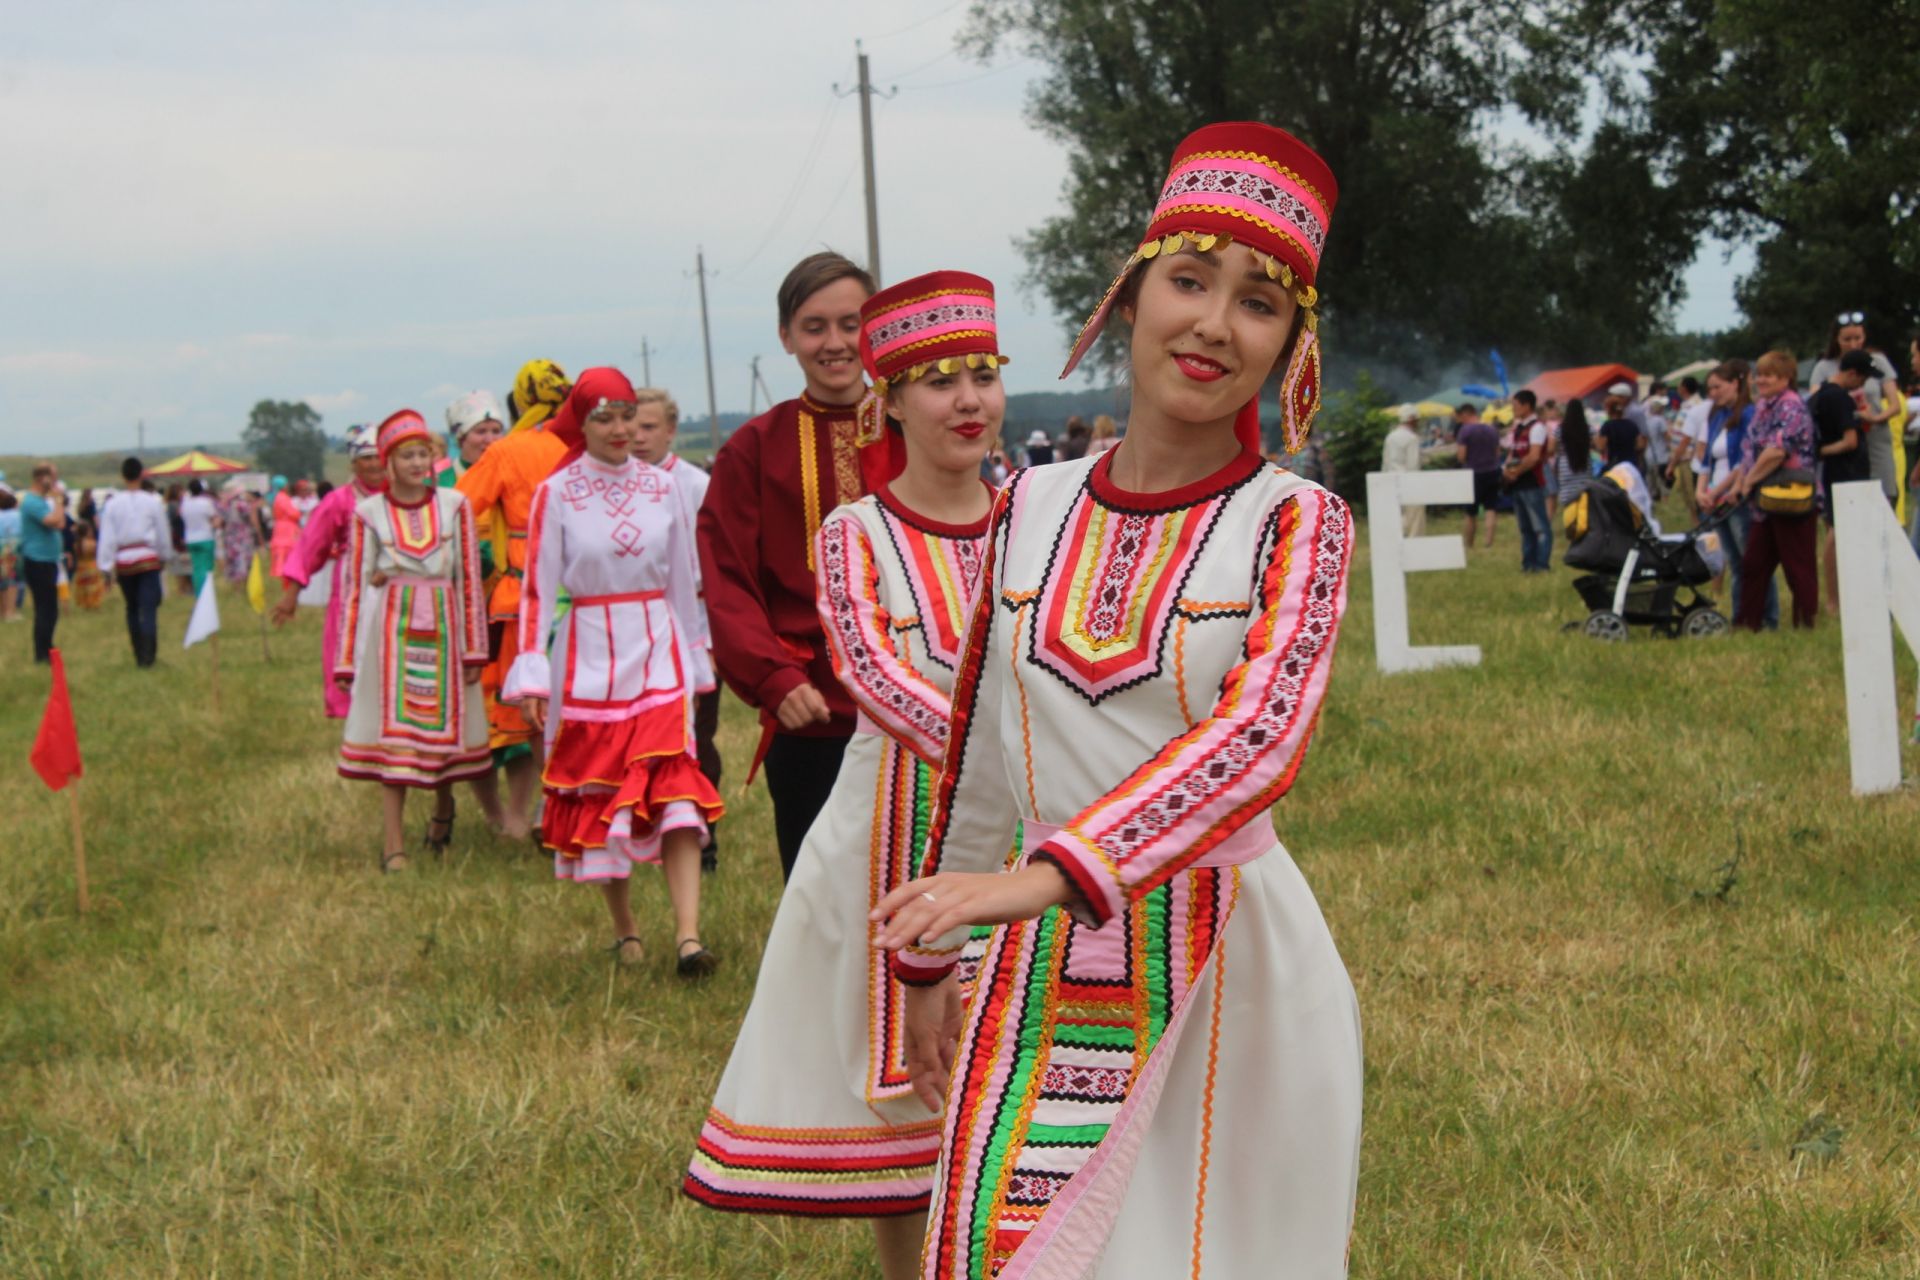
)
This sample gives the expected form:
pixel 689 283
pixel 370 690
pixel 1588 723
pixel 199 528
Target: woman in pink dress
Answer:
pixel 323 542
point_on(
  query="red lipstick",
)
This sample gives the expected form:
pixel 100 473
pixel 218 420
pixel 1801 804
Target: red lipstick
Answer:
pixel 1199 368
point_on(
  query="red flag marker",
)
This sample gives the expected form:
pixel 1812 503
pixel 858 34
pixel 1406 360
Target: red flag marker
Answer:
pixel 56 758
pixel 56 748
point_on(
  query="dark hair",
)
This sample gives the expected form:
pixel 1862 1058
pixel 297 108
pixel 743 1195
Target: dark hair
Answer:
pixel 322 489
pixel 195 488
pixel 1526 397
pixel 1465 406
pixel 1690 385
pixel 132 469
pixel 7 503
pixel 1833 337
pixel 174 490
pixel 812 274
pixel 42 471
pixel 1576 437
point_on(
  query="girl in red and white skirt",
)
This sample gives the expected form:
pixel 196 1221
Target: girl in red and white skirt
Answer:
pixel 614 691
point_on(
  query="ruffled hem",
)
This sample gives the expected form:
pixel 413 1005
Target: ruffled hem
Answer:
pixel 625 824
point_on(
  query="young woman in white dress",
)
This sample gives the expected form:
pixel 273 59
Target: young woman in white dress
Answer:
pixel 412 637
pixel 816 1114
pixel 1160 1069
pixel 614 691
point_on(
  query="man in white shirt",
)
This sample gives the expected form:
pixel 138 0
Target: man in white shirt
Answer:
pixel 1401 452
pixel 658 424
pixel 134 541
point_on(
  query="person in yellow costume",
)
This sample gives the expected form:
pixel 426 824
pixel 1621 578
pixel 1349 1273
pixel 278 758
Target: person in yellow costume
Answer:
pixel 500 487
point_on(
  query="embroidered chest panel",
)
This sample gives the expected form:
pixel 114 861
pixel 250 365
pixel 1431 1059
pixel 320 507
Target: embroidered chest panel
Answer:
pixel 416 530
pixel 1114 588
pixel 618 500
pixel 940 573
pixel 843 444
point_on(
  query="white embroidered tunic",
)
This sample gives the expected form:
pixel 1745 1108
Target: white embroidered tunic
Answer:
pixel 1170 1084
pixel 411 625
pixel 622 666
pixel 815 1114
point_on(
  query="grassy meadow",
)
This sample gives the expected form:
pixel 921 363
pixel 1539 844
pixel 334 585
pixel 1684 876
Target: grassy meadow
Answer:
pixel 1640 979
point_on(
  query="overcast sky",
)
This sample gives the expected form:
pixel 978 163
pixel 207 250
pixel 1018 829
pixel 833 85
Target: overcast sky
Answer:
pixel 371 205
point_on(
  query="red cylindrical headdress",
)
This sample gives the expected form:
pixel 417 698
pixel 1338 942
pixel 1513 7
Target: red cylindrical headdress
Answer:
pixel 942 321
pixel 1268 190
pixel 595 389
pixel 399 428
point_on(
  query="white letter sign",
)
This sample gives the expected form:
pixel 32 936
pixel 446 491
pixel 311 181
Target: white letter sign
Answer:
pixel 1879 574
pixel 1395 556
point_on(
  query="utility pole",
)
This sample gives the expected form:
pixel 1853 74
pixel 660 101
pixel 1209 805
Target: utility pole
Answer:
pixel 866 153
pixel 646 363
pixel 706 341
pixel 867 92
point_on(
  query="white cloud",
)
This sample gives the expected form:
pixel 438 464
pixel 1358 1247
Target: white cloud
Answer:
pixel 334 401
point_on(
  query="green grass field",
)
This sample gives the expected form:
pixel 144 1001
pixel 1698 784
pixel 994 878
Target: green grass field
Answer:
pixel 1640 980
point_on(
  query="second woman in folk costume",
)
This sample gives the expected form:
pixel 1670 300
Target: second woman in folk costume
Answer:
pixel 500 486
pixel 1160 1070
pixel 616 696
pixel 412 638
pixel 816 1114
pixel 474 422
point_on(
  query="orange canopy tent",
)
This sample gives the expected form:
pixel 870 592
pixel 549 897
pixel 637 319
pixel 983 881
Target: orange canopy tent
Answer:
pixel 1579 384
pixel 196 462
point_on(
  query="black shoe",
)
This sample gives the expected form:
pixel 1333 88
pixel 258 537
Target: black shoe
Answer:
pixel 438 841
pixel 698 963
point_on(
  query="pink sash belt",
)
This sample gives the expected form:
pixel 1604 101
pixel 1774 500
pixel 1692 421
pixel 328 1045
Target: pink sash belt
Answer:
pixel 1244 845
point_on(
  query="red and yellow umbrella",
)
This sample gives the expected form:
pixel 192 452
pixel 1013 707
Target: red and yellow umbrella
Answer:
pixel 197 462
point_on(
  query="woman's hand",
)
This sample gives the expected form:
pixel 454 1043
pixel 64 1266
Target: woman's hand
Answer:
pixel 472 675
pixel 921 910
pixel 283 608
pixel 933 1020
pixel 535 710
pixel 378 580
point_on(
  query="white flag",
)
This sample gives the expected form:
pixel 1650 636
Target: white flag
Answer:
pixel 206 615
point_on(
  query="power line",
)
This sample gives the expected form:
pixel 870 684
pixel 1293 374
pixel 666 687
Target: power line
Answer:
pixel 807 163
pixel 916 25
pixel 832 208
pixel 947 84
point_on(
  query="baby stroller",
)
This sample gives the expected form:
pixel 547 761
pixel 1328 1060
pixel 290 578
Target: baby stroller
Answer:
pixel 1637 577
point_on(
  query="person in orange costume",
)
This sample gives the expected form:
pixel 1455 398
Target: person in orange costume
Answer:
pixel 500 487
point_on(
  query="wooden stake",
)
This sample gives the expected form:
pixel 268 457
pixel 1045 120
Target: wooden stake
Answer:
pixel 79 844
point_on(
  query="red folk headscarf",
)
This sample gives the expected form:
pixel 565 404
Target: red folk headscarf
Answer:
pixel 942 320
pixel 1267 189
pixel 595 389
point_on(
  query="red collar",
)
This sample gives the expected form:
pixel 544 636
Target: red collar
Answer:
pixel 926 524
pixel 1109 494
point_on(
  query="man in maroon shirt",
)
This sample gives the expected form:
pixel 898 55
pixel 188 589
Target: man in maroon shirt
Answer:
pixel 773 482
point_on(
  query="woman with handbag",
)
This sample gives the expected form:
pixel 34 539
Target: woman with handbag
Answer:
pixel 1777 478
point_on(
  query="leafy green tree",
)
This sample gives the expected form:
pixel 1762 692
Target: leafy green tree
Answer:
pixel 1785 125
pixel 285 439
pixel 1443 236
